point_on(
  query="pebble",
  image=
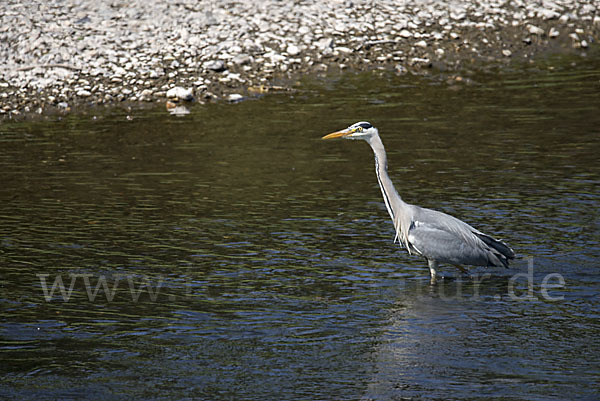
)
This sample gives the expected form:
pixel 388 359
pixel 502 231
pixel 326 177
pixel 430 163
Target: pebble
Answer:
pixel 179 93
pixel 548 14
pixel 146 95
pixel 235 97
pixel 324 43
pixel 535 30
pixel 215 65
pixel 400 69
pixel 241 59
pixel 293 50
pixel 343 49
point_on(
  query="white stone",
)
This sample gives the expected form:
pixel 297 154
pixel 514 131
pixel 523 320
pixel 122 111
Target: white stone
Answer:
pixel 534 30
pixel 405 33
pixel 83 93
pixel 180 93
pixel 275 58
pixel 215 65
pixel 548 14
pixel 241 59
pixel 146 94
pixel 293 50
pixel 235 97
pixel 400 69
pixel 324 43
pixel 234 77
pixel 419 61
pixel 119 70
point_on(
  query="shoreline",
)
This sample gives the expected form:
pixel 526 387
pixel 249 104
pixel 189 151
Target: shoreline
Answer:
pixel 61 55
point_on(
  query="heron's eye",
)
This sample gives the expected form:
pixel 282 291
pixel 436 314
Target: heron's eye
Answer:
pixel 359 129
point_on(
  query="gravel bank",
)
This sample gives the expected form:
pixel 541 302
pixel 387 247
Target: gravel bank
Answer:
pixel 61 53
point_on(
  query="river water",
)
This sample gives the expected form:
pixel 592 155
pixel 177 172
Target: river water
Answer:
pixel 232 254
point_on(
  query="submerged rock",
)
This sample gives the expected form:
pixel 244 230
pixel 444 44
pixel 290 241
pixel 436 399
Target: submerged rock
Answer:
pixel 179 111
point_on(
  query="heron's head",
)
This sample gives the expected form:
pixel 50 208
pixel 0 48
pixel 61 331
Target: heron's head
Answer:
pixel 360 130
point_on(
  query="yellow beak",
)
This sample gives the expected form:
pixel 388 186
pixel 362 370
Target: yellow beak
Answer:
pixel 338 134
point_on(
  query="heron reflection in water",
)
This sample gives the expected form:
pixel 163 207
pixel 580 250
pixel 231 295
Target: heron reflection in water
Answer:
pixel 437 236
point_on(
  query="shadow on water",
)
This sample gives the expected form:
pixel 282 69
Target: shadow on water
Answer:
pixel 232 254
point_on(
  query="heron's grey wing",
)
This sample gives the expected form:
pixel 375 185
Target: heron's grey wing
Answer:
pixel 445 246
pixel 445 238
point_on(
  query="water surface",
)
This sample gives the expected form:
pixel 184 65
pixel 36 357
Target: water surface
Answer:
pixel 246 259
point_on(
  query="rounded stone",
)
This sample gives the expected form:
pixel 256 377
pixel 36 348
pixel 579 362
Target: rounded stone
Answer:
pixel 179 93
pixel 405 33
pixel 235 97
pixel 293 50
pixel 215 65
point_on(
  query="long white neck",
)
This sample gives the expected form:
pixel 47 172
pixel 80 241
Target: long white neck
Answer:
pixel 394 204
pixel 390 196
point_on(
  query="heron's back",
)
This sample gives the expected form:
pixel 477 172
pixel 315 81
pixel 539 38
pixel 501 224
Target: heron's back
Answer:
pixel 444 238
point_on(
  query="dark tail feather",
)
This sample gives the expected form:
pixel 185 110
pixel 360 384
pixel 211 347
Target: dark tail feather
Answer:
pixel 501 251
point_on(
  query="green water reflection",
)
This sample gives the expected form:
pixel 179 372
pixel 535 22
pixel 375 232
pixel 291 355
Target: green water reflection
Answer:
pixel 244 258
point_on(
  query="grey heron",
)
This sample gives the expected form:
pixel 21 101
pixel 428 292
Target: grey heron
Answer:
pixel 437 236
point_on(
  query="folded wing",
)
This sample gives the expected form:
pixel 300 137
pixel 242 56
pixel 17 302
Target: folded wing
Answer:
pixel 443 238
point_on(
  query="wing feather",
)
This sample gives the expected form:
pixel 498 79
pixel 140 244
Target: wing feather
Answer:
pixel 445 238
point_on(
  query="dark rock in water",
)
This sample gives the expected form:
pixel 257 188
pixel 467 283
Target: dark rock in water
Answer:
pixel 438 65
